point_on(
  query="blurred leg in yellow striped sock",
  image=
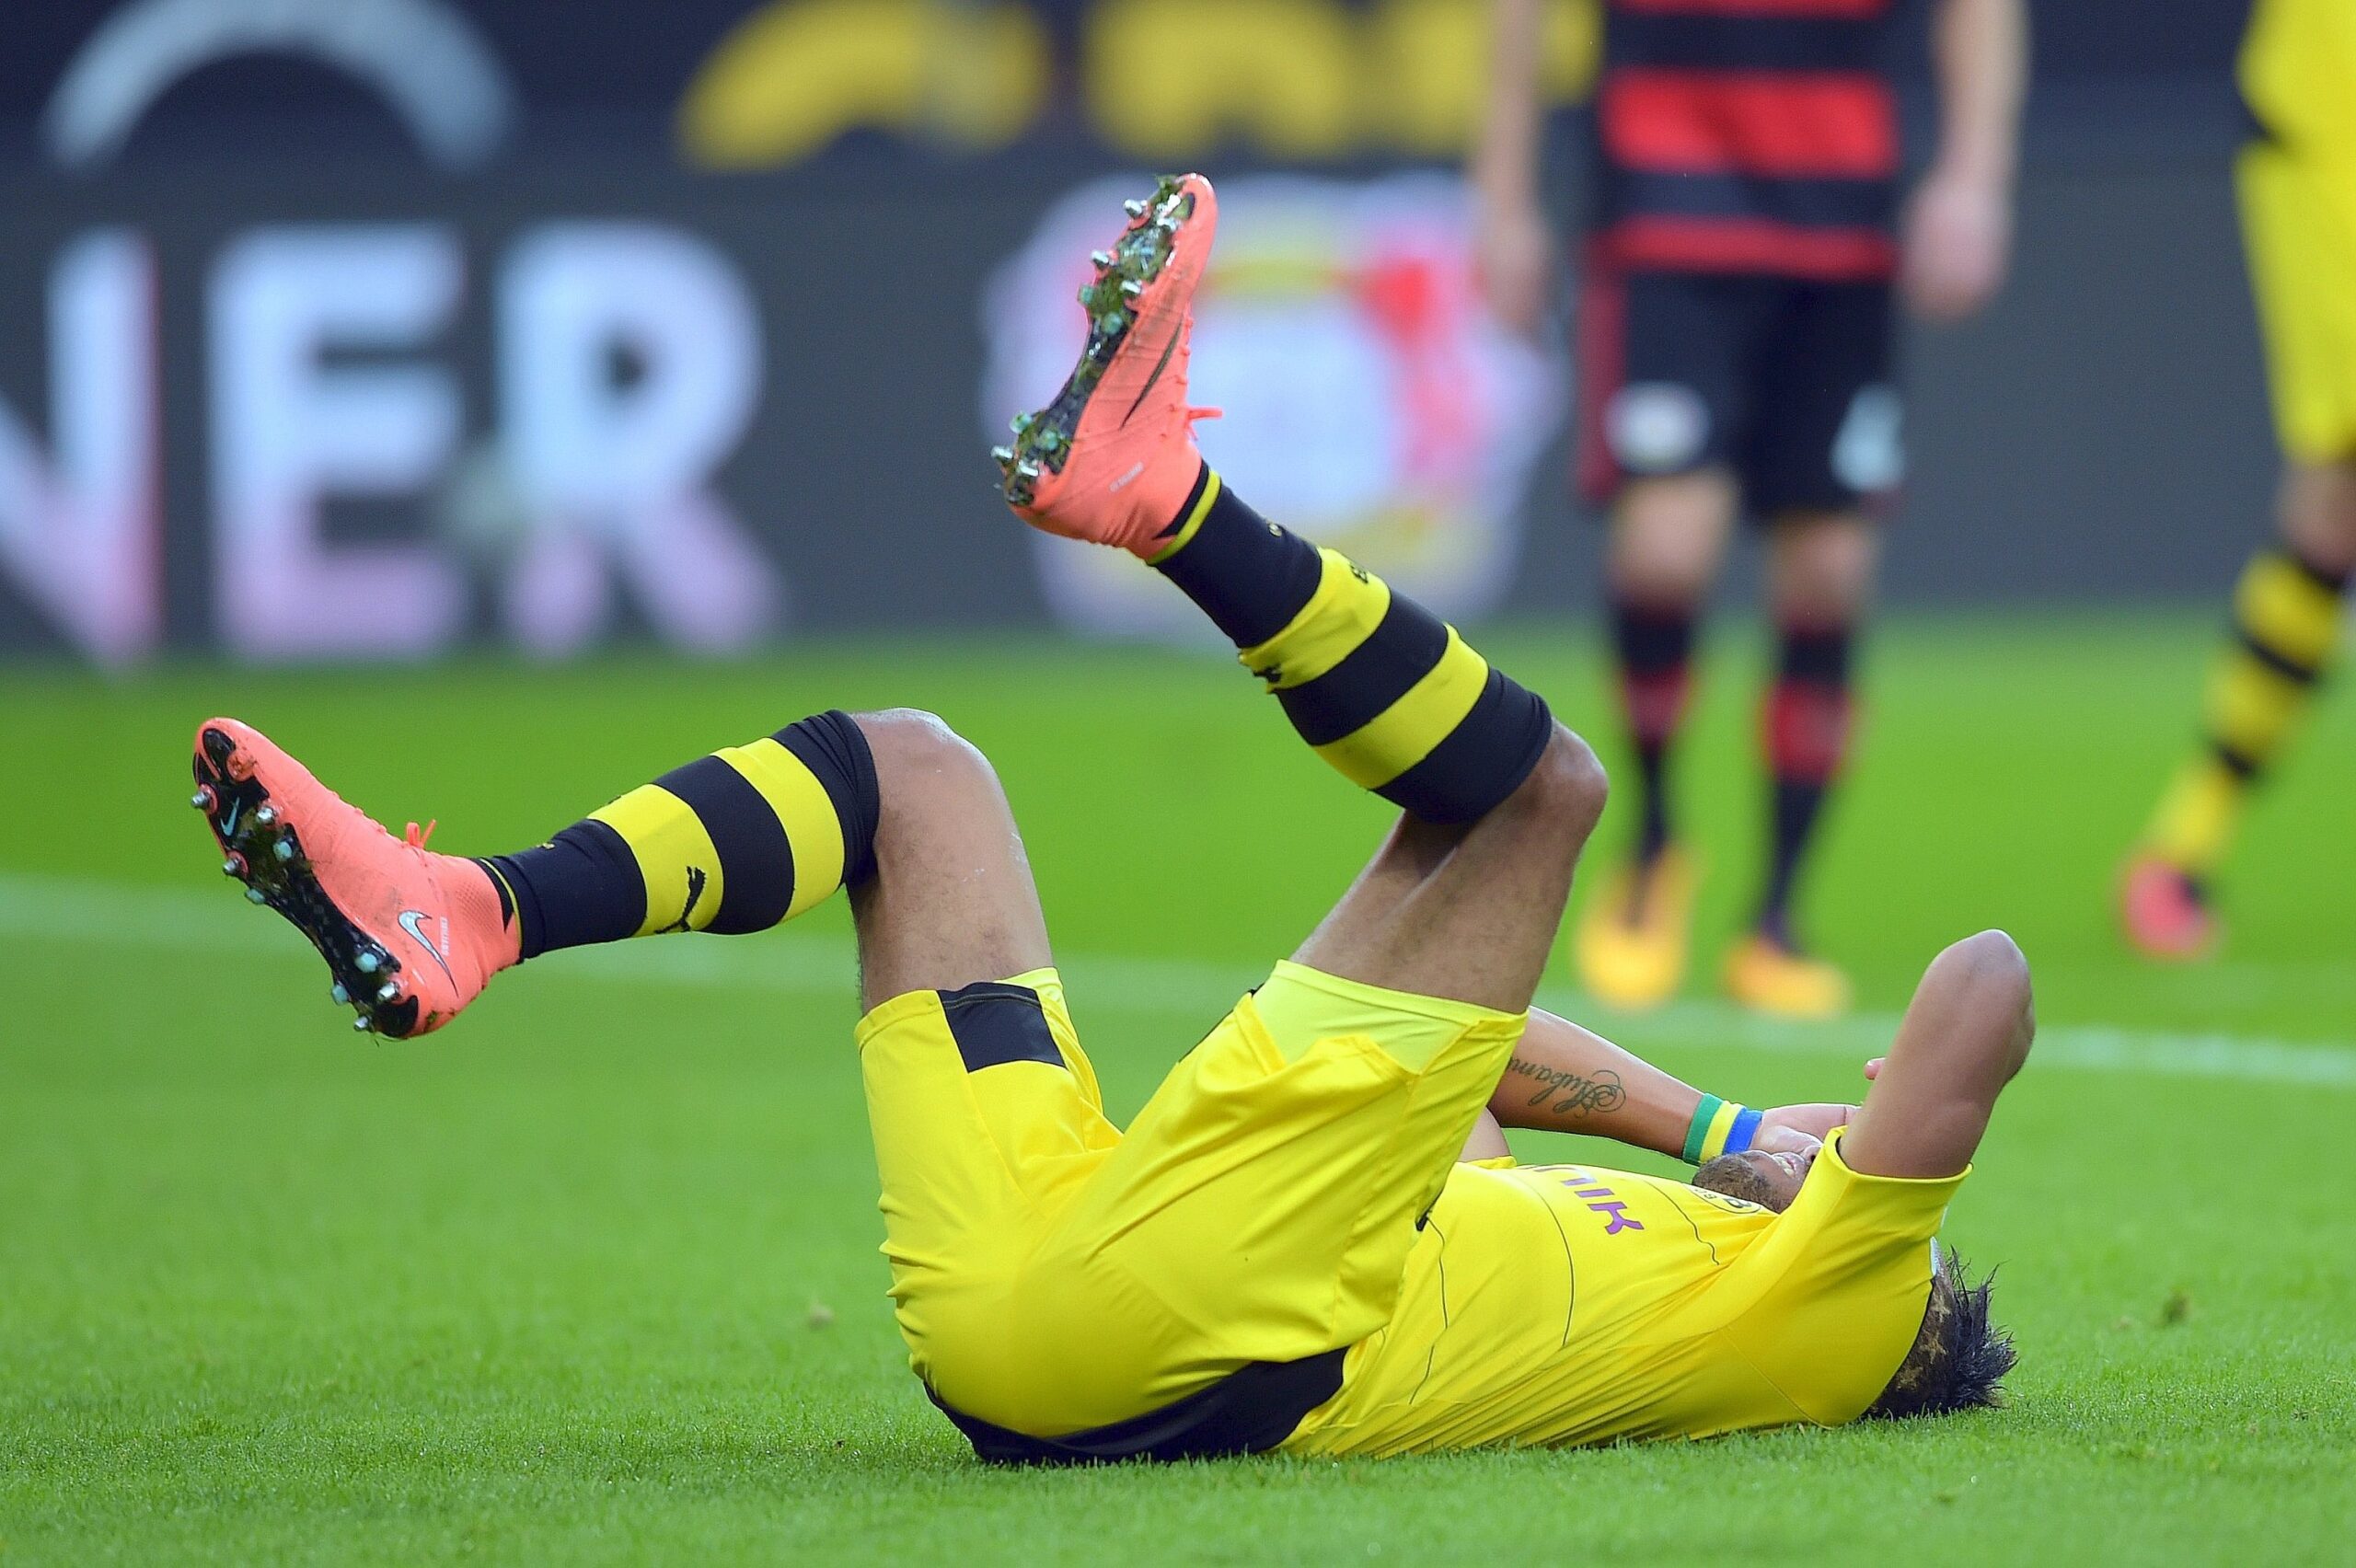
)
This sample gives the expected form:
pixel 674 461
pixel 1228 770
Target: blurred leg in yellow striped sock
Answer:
pixel 2286 624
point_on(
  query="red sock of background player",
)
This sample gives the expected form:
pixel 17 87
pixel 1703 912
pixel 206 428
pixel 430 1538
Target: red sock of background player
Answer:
pixel 1807 724
pixel 1655 645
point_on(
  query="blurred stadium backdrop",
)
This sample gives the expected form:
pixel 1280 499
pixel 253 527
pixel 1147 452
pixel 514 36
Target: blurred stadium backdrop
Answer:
pixel 390 327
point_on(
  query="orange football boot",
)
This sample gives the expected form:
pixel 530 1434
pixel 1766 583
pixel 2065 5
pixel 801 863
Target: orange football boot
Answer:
pixel 410 937
pixel 2165 911
pixel 1630 945
pixel 1768 976
pixel 1112 459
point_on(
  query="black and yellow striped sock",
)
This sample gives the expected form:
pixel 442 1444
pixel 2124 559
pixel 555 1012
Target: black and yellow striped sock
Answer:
pixel 737 841
pixel 2286 622
pixel 1382 689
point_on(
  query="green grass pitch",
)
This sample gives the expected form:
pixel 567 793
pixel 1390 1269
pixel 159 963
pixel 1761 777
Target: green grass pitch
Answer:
pixel 592 1277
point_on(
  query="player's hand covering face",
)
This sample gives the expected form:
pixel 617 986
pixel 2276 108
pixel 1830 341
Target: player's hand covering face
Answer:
pixel 1800 1129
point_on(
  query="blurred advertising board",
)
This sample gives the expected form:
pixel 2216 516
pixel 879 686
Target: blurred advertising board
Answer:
pixel 292 427
pixel 271 386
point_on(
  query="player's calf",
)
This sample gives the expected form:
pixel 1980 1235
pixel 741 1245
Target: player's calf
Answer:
pixel 738 841
pixel 1384 690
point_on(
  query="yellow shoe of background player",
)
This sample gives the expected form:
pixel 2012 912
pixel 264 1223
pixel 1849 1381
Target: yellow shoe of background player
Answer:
pixel 1768 977
pixel 1631 944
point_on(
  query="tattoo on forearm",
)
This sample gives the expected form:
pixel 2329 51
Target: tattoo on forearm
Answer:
pixel 1568 1094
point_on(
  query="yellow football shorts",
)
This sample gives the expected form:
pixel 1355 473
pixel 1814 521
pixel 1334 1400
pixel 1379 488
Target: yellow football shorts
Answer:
pixel 1564 1304
pixel 2299 226
pixel 1052 1275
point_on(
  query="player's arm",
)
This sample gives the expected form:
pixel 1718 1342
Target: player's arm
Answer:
pixel 1965 1035
pixel 1516 250
pixel 1568 1079
pixel 1959 229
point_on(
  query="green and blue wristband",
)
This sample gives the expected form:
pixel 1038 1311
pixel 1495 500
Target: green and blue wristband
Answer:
pixel 1719 1126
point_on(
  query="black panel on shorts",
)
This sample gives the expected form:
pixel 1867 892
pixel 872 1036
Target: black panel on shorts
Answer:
pixel 1250 1411
pixel 995 1023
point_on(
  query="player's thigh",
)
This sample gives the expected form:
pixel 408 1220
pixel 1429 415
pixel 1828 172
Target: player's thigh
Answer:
pixel 1268 1196
pixel 1670 534
pixel 1666 397
pixel 986 1123
pixel 1470 913
pixel 951 902
pixel 2299 227
pixel 1827 436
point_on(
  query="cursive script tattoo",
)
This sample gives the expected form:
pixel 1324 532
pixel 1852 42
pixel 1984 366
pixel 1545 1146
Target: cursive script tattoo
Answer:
pixel 1568 1094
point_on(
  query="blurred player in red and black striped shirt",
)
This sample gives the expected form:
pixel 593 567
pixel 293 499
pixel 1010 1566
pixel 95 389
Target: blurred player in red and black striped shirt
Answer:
pixel 1735 322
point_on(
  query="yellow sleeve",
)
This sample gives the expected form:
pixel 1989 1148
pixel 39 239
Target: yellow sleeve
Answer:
pixel 1837 1285
pixel 1911 1206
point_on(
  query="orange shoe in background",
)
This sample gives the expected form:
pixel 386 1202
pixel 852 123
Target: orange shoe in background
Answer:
pixel 1631 944
pixel 410 936
pixel 1770 978
pixel 1112 459
pixel 2165 911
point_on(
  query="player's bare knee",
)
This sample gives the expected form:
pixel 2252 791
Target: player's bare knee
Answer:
pixel 2318 510
pixel 1668 535
pixel 908 743
pixel 1567 788
pixel 1664 573
pixel 1820 566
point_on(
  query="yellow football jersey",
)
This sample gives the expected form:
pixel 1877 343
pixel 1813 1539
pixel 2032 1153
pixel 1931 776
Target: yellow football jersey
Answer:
pixel 1291 1194
pixel 1563 1304
pixel 2298 73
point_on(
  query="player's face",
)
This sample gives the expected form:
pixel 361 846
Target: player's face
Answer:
pixel 1783 1173
pixel 1771 1181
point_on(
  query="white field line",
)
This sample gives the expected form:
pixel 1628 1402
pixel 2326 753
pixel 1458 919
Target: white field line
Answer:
pixel 179 920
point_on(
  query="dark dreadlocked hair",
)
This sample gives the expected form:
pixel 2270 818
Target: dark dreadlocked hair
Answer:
pixel 1959 1357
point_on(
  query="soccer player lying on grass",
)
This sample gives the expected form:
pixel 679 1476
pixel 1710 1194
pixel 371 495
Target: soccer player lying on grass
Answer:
pixel 1292 1245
